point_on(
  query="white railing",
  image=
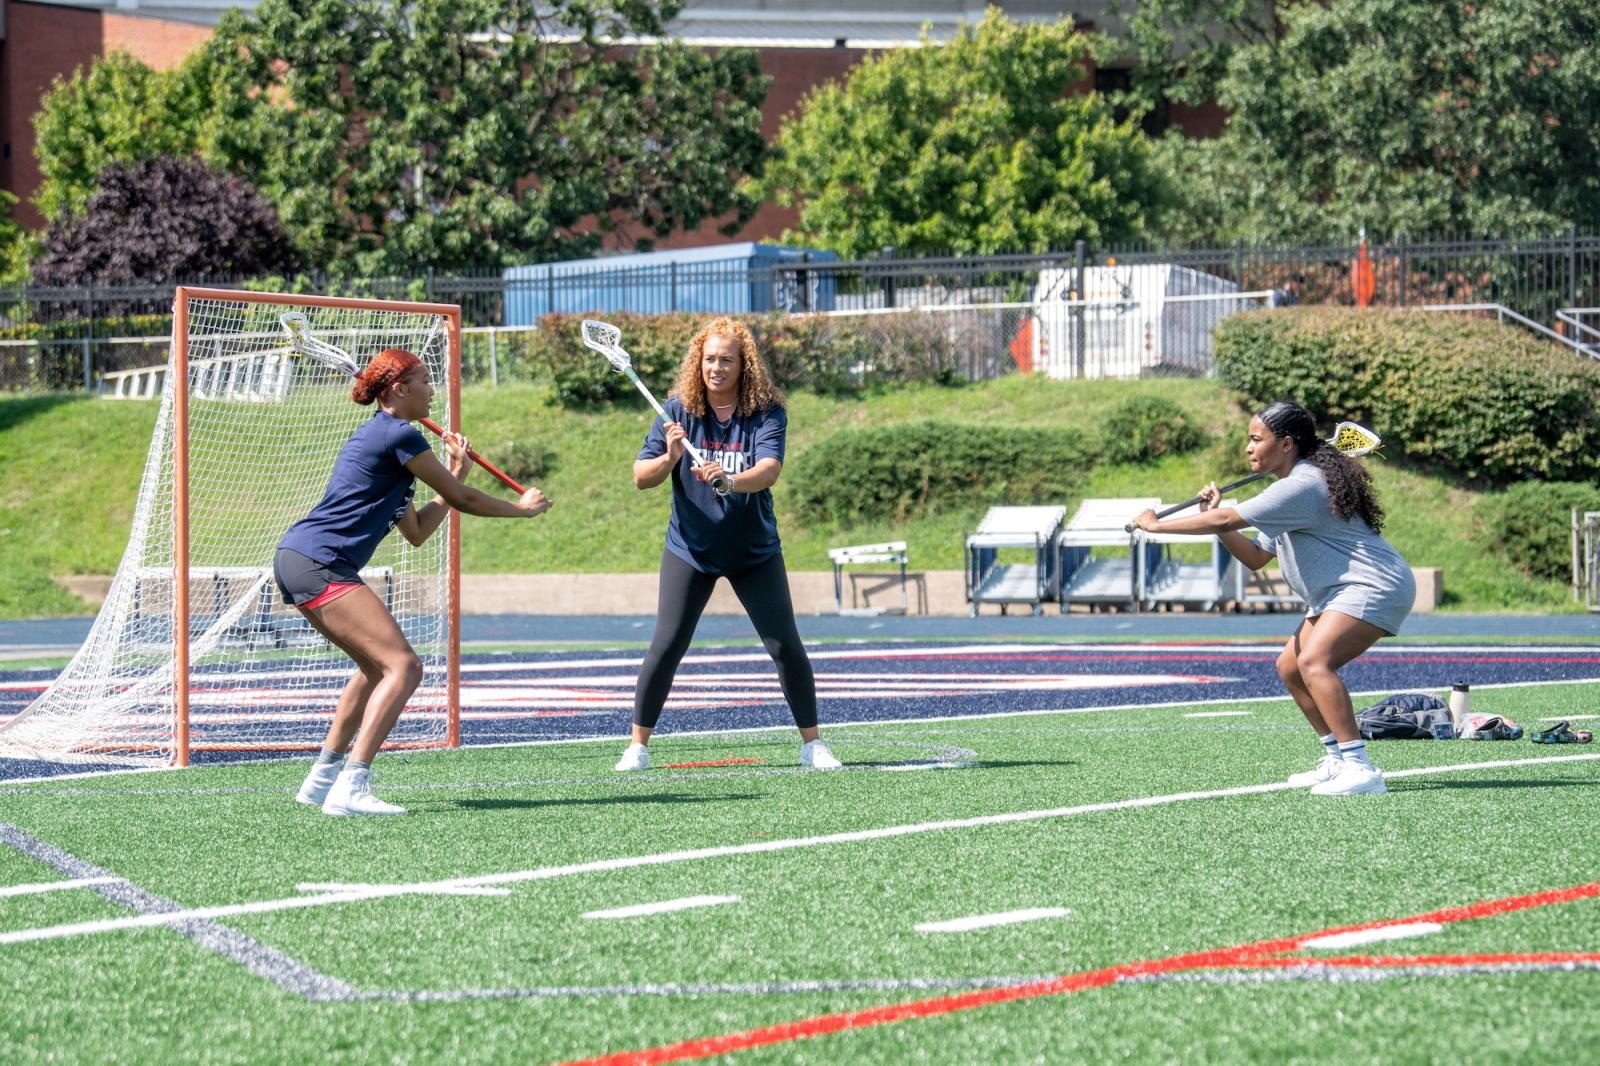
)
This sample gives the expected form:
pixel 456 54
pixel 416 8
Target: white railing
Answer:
pixel 1504 315
pixel 1586 338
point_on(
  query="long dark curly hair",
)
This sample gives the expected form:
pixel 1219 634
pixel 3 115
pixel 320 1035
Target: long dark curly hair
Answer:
pixel 1349 484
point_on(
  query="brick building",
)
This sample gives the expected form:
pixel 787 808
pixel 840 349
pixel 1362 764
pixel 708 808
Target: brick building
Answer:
pixel 801 43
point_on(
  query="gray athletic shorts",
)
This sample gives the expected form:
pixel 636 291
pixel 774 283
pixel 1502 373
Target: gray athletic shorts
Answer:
pixel 308 583
pixel 1386 609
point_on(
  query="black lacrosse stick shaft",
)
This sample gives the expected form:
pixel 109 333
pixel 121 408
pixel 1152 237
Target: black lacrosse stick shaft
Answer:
pixel 1175 508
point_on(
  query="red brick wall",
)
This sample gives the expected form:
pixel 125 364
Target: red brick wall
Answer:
pixel 44 42
pixel 794 72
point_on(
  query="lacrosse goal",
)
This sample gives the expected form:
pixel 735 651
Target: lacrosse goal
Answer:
pixel 194 651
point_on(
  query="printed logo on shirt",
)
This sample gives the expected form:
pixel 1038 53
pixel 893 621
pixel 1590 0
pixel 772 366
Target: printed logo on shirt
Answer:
pixel 725 454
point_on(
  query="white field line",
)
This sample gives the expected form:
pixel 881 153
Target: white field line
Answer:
pixel 666 906
pixel 1405 931
pixel 989 921
pixel 631 862
pixel 356 886
pixel 55 886
pixel 1567 717
pixel 1220 714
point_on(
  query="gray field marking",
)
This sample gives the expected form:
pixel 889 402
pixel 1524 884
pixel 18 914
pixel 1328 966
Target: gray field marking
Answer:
pixel 1312 971
pixel 1319 971
pixel 234 946
pixel 756 988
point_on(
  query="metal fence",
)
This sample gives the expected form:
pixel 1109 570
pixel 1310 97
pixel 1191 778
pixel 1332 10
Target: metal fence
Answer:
pixel 65 338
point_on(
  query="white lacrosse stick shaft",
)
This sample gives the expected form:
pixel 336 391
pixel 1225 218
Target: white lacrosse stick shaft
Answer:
pixel 607 340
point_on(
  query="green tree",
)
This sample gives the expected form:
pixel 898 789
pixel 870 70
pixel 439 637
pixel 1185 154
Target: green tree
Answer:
pixel 975 146
pixel 117 111
pixel 1181 48
pixel 1416 115
pixel 456 133
pixel 16 246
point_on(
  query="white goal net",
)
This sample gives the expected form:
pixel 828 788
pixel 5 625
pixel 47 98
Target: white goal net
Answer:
pixel 194 651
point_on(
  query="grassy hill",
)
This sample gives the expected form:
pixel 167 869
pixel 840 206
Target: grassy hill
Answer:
pixel 72 468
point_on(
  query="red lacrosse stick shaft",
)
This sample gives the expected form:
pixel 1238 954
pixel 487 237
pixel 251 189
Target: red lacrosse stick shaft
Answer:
pixel 505 479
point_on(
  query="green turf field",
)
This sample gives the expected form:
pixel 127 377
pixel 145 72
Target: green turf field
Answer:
pixel 830 876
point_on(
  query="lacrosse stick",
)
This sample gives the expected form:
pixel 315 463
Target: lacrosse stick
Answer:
pixel 1348 439
pixel 298 327
pixel 607 340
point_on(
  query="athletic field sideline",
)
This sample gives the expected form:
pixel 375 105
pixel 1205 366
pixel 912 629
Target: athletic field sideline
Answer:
pixel 1043 848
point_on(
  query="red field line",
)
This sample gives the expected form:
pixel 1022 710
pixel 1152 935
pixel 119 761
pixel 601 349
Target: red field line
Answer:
pixel 1262 954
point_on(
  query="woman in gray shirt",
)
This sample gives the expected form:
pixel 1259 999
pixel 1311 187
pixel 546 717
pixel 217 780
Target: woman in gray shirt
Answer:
pixel 1321 520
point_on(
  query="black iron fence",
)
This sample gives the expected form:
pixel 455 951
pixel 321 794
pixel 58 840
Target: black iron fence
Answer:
pixel 63 338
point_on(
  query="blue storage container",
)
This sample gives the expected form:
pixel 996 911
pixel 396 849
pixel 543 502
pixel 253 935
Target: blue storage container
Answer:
pixel 717 279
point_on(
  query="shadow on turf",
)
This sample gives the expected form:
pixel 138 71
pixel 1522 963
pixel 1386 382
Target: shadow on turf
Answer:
pixel 1430 785
pixel 530 804
pixel 1008 764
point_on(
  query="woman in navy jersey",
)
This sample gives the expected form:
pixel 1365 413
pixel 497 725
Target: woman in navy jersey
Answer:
pixel 318 564
pixel 725 403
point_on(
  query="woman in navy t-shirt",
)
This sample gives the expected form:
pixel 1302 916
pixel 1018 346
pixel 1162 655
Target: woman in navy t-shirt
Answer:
pixel 319 560
pixel 724 403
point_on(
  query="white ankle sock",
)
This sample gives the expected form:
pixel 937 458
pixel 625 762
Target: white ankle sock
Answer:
pixel 1355 751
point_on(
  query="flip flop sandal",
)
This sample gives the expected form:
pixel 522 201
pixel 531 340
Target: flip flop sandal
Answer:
pixel 1560 734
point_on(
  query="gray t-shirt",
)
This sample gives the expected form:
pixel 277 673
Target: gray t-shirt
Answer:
pixel 1320 553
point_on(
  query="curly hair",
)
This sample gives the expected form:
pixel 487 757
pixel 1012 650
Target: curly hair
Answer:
pixel 1349 485
pixel 757 390
pixel 386 368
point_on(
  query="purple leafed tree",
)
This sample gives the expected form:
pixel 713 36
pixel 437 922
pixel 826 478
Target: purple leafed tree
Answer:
pixel 166 219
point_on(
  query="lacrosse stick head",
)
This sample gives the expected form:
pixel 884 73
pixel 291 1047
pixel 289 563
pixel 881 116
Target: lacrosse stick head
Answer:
pixel 1353 440
pixel 606 339
pixel 298 327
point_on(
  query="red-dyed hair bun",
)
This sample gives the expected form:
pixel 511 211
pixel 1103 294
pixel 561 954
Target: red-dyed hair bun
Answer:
pixel 386 368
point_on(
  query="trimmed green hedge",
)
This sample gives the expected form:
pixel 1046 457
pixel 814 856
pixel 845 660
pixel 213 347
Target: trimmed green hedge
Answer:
pixel 892 473
pixel 1142 429
pixel 1487 402
pixel 1530 524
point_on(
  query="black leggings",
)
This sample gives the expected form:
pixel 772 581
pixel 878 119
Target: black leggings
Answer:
pixel 764 591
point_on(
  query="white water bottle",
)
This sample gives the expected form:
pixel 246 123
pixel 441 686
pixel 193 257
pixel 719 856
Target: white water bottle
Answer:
pixel 1460 704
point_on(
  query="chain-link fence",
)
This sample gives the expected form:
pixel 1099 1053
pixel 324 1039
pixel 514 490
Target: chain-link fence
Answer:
pixel 69 338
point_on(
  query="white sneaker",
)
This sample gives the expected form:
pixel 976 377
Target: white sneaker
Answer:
pixel 1353 779
pixel 815 754
pixel 637 757
pixel 352 794
pixel 314 789
pixel 1325 770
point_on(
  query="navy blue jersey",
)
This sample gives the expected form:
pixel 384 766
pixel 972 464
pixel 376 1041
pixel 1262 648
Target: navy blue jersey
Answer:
pixel 721 535
pixel 368 492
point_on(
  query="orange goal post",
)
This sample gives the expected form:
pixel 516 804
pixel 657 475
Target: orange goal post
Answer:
pixel 194 654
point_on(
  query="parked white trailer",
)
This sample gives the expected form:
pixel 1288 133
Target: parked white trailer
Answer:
pixel 1130 321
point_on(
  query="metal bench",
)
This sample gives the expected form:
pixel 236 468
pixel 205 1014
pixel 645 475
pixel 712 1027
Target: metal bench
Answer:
pixel 893 552
pixel 1112 579
pixel 989 580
